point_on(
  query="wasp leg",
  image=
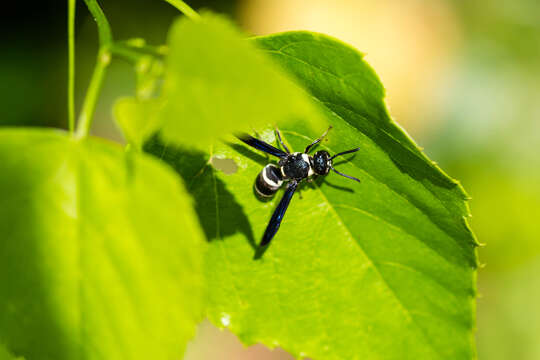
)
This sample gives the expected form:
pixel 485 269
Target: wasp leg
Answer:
pixel 261 145
pixel 281 141
pixel 317 141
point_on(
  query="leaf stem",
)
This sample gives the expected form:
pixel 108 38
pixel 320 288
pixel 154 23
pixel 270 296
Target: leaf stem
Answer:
pixel 104 29
pixel 71 65
pixel 85 118
pixel 185 9
pixel 134 53
pixel 140 45
pixel 103 60
pixel 126 53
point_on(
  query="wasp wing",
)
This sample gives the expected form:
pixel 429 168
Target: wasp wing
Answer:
pixel 261 145
pixel 277 216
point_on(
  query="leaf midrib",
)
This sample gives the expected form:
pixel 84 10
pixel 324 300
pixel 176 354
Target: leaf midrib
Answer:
pixel 408 315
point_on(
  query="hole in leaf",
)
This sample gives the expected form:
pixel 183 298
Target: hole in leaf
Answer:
pixel 228 166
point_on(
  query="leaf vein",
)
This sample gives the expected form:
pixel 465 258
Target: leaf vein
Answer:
pixel 402 230
pixel 402 196
pixel 404 309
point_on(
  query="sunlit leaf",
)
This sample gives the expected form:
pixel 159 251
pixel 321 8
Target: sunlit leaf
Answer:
pixel 137 118
pixel 216 82
pixel 100 254
pixel 6 355
pixel 384 269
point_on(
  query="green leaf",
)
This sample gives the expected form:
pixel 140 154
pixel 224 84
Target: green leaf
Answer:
pixel 100 255
pixel 217 78
pixel 137 118
pixel 384 269
pixel 6 355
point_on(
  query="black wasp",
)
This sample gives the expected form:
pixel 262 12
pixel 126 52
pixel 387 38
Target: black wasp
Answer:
pixel 292 167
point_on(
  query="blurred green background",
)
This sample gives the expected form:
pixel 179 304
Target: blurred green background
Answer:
pixel 461 76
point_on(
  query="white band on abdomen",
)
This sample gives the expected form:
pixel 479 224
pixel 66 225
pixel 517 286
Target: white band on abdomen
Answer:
pixel 272 184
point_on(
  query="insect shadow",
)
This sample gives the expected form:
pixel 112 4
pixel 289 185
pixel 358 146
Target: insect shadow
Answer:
pixel 321 181
pixel 220 215
pixel 244 151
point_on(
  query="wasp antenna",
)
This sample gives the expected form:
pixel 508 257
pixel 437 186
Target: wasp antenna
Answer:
pixel 344 175
pixel 345 152
pixel 318 140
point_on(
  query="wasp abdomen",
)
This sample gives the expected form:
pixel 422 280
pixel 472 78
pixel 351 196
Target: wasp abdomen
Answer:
pixel 269 180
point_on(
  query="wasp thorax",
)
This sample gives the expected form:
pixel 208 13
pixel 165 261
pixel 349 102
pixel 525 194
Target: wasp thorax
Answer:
pixel 295 166
pixel 321 162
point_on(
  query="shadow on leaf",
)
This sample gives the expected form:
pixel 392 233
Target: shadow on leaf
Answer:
pixel 244 151
pixel 220 215
pixel 325 181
